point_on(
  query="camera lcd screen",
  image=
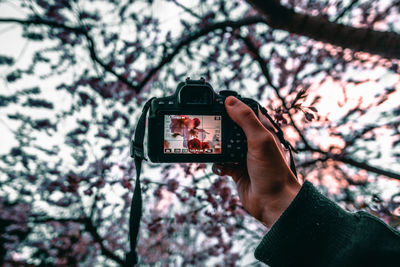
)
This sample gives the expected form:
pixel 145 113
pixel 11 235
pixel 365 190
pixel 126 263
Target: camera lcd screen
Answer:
pixel 192 134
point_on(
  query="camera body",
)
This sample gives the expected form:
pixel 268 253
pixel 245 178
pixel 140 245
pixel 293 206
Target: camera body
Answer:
pixel 192 125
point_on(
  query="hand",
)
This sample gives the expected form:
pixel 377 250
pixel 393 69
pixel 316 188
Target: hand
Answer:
pixel 266 185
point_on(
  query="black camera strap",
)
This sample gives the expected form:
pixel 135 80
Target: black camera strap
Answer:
pixel 137 152
pixel 285 143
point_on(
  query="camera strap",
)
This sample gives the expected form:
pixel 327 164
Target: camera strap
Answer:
pixel 137 152
pixel 285 143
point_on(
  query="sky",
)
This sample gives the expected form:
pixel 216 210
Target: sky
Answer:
pixel 329 107
pixel 12 44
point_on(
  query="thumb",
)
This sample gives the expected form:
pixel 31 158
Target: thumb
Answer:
pixel 244 116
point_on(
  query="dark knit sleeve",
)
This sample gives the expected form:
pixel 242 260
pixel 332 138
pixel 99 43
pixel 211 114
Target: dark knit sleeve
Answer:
pixel 314 231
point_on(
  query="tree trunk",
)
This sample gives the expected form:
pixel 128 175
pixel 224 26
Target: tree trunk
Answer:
pixel 385 44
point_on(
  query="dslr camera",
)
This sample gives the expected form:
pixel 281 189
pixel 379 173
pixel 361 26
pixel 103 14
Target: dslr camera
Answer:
pixel 192 125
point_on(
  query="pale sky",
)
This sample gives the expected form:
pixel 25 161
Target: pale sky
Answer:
pixel 13 45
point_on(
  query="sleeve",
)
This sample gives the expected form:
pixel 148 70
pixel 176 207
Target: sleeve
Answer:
pixel 314 231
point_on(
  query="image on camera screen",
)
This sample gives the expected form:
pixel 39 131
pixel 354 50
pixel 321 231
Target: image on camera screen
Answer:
pixel 192 134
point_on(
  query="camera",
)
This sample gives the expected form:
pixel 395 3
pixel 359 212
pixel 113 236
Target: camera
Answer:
pixel 192 125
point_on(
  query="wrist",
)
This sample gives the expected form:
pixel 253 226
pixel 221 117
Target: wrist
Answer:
pixel 275 205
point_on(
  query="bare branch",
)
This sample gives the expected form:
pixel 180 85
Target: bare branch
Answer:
pixel 106 252
pixel 62 220
pixel 367 167
pixel 40 21
pixel 188 10
pixel 311 162
pixel 255 53
pixel 345 10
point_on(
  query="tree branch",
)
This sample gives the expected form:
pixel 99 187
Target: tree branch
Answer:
pixel 367 167
pixel 188 10
pixel 79 31
pixel 351 162
pixel 87 222
pixel 62 220
pixel 40 21
pixel 202 32
pixel 261 62
pixel 256 55
pixel 105 251
pixel 345 10
pixel 165 60
pixel 385 44
pixel 327 155
pixel 311 162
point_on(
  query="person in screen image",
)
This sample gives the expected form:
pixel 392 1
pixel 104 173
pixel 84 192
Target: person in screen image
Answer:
pixel 306 228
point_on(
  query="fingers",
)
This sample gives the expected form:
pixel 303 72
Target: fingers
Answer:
pixel 265 121
pixel 260 133
pixel 244 116
pixel 268 125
